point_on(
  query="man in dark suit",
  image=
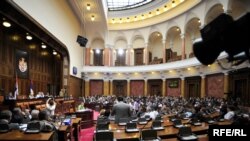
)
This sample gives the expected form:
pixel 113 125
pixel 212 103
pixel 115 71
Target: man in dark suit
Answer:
pixel 121 110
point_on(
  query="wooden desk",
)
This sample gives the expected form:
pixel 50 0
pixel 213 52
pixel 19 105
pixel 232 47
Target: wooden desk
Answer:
pixel 17 135
pixel 86 118
pixel 200 138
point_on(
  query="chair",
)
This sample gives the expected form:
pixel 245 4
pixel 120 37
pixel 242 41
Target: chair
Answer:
pixel 149 135
pixel 104 136
pixel 123 121
pixel 195 122
pixel 131 127
pixel 156 125
pixel 4 127
pixel 178 123
pixel 102 127
pixel 185 134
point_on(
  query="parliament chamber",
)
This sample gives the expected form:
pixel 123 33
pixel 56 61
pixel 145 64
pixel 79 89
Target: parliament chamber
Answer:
pixel 65 64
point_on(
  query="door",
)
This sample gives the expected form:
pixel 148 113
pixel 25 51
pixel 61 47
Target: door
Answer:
pixel 138 57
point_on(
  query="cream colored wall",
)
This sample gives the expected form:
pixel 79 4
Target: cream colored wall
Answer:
pixel 57 17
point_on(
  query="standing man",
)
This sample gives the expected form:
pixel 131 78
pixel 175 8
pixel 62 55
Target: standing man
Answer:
pixel 120 110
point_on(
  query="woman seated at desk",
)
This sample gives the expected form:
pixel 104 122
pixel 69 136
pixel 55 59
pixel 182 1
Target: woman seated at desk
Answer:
pixel 81 107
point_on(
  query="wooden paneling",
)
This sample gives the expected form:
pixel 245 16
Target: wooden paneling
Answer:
pixel 155 87
pixel 96 87
pixel 45 69
pixel 120 87
pixel 138 56
pixel 75 86
pixel 192 87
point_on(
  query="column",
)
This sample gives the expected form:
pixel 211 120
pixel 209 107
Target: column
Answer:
pixel 182 87
pixel 203 86
pixel 111 57
pixel 226 84
pixel 183 48
pixel 87 56
pixel 129 52
pixel 146 53
pixel 106 87
pixel 87 85
pixel 163 87
pixel 164 50
pixel 111 86
pixel 128 87
pixel 145 87
pixel 106 57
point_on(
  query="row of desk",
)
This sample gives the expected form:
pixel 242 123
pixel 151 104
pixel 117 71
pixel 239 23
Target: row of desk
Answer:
pixel 169 132
pixel 65 133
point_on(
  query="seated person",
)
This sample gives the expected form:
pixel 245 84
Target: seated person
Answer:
pixel 40 95
pixel 31 96
pixel 230 113
pixel 81 107
pixel 44 119
pixel 17 116
pixel 5 117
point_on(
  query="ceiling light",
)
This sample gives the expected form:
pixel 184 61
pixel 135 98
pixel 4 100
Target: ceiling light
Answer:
pixel 177 29
pixel 113 21
pixel 120 20
pixel 92 18
pixel 97 51
pixel 157 11
pixel 43 46
pixel 199 21
pixel 142 17
pixel 188 68
pixel 165 8
pixel 54 52
pixel 135 18
pixel 150 14
pixel 120 51
pixel 128 20
pixel 6 24
pixel 173 3
pixel 28 36
pixel 88 6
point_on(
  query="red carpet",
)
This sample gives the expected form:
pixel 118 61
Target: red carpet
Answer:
pixel 87 134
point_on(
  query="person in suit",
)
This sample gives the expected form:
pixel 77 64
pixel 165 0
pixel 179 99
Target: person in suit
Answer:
pixel 121 110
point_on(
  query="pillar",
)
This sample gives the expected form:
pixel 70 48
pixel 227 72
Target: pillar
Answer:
pixel 146 54
pixel 145 87
pixel 203 86
pixel 106 57
pixel 106 87
pixel 129 56
pixel 182 87
pixel 87 56
pixel 226 84
pixel 128 87
pixel 111 87
pixel 183 47
pixel 163 87
pixel 164 50
pixel 87 87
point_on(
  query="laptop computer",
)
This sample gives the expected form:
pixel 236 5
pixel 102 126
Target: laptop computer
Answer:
pixel 142 121
pixel 131 127
pixel 156 125
pixel 123 121
pixel 33 127
pixel 102 127
pixel 159 118
pixel 185 134
pixel 178 123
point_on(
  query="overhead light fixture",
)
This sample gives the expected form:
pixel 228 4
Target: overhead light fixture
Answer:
pixel 120 51
pixel 97 51
pixel 150 14
pixel 6 23
pixel 54 52
pixel 88 7
pixel 113 21
pixel 92 18
pixel 135 18
pixel 165 8
pixel 28 36
pixel 173 3
pixel 142 16
pixel 43 46
pixel 120 20
pixel 157 11
pixel 128 20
